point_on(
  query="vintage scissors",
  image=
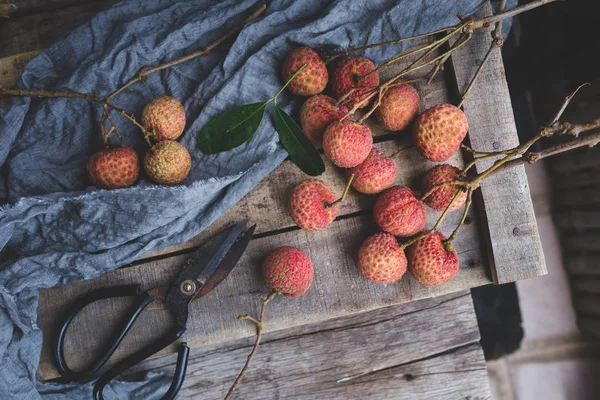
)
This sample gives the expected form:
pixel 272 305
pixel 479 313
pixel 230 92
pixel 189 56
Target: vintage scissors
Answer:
pixel 207 267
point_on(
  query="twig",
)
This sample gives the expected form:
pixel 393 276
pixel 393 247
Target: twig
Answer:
pixel 259 332
pixel 448 242
pixel 344 194
pixel 440 185
pixel 492 19
pixel 145 71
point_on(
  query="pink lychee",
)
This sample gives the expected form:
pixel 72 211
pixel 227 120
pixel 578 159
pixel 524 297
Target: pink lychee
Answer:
pixel 399 107
pixel 399 212
pixel 114 167
pixel 430 262
pixel 355 72
pixel 164 118
pixel 347 143
pixel 440 198
pixel 377 173
pixel 312 79
pixel 309 205
pixel 317 113
pixel 381 260
pixel 439 131
pixel 288 270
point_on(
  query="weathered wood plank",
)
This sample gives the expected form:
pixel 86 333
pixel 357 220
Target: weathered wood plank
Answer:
pixel 338 290
pixel 513 240
pixel 586 286
pixel 25 7
pixel 575 161
pixel 587 304
pixel 589 325
pixel 412 351
pixel 578 198
pixel 588 264
pixel 38 31
pixel 578 220
pixel 11 69
pixel 581 241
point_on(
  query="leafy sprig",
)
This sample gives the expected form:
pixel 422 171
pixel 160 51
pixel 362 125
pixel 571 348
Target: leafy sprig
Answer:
pixel 236 126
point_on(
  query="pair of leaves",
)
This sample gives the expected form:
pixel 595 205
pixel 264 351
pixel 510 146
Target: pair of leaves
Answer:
pixel 236 126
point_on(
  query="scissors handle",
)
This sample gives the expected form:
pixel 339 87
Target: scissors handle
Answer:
pixel 123 365
pixel 141 301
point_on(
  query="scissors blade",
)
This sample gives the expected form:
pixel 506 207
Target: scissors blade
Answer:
pixel 204 261
pixel 229 262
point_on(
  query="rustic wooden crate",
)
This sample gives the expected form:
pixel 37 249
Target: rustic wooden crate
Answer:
pixel 500 244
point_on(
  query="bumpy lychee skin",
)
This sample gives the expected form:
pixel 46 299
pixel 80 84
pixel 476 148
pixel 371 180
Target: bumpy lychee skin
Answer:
pixel 167 162
pixel 114 167
pixel 399 107
pixel 288 270
pixel 164 118
pixel 377 173
pixel 381 260
pixel 317 113
pixel 441 197
pixel 308 205
pixel 430 263
pixel 347 143
pixel 354 72
pixel 399 212
pixel 312 79
pixel 439 131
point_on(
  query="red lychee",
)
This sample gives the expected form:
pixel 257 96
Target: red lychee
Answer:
pixel 167 162
pixel 377 173
pixel 114 167
pixel 164 118
pixel 308 205
pixel 381 260
pixel 347 143
pixel 399 107
pixel 430 263
pixel 355 72
pixel 312 79
pixel 288 270
pixel 439 131
pixel 441 197
pixel 317 113
pixel 399 212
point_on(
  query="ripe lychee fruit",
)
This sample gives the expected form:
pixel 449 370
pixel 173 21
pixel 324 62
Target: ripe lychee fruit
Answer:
pixel 381 260
pixel 429 261
pixel 399 212
pixel 441 197
pixel 377 173
pixel 347 143
pixel 312 79
pixel 439 131
pixel 317 113
pixel 308 205
pixel 114 167
pixel 399 107
pixel 355 72
pixel 164 118
pixel 167 162
pixel 288 270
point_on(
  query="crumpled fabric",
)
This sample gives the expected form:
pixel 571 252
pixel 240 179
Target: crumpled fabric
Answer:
pixel 56 229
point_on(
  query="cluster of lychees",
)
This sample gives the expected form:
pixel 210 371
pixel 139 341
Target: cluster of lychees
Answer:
pixel 399 212
pixel 167 162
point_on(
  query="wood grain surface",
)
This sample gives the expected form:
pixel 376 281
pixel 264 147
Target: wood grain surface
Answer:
pixel 511 230
pixel 427 349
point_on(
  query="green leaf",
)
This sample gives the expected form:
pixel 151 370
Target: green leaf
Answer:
pixel 301 150
pixel 231 129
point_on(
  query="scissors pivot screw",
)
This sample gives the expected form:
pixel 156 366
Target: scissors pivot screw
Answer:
pixel 187 287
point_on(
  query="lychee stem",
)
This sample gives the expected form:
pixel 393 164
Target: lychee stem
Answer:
pixel 341 199
pixel 448 242
pixel 439 185
pixel 274 98
pixel 259 331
